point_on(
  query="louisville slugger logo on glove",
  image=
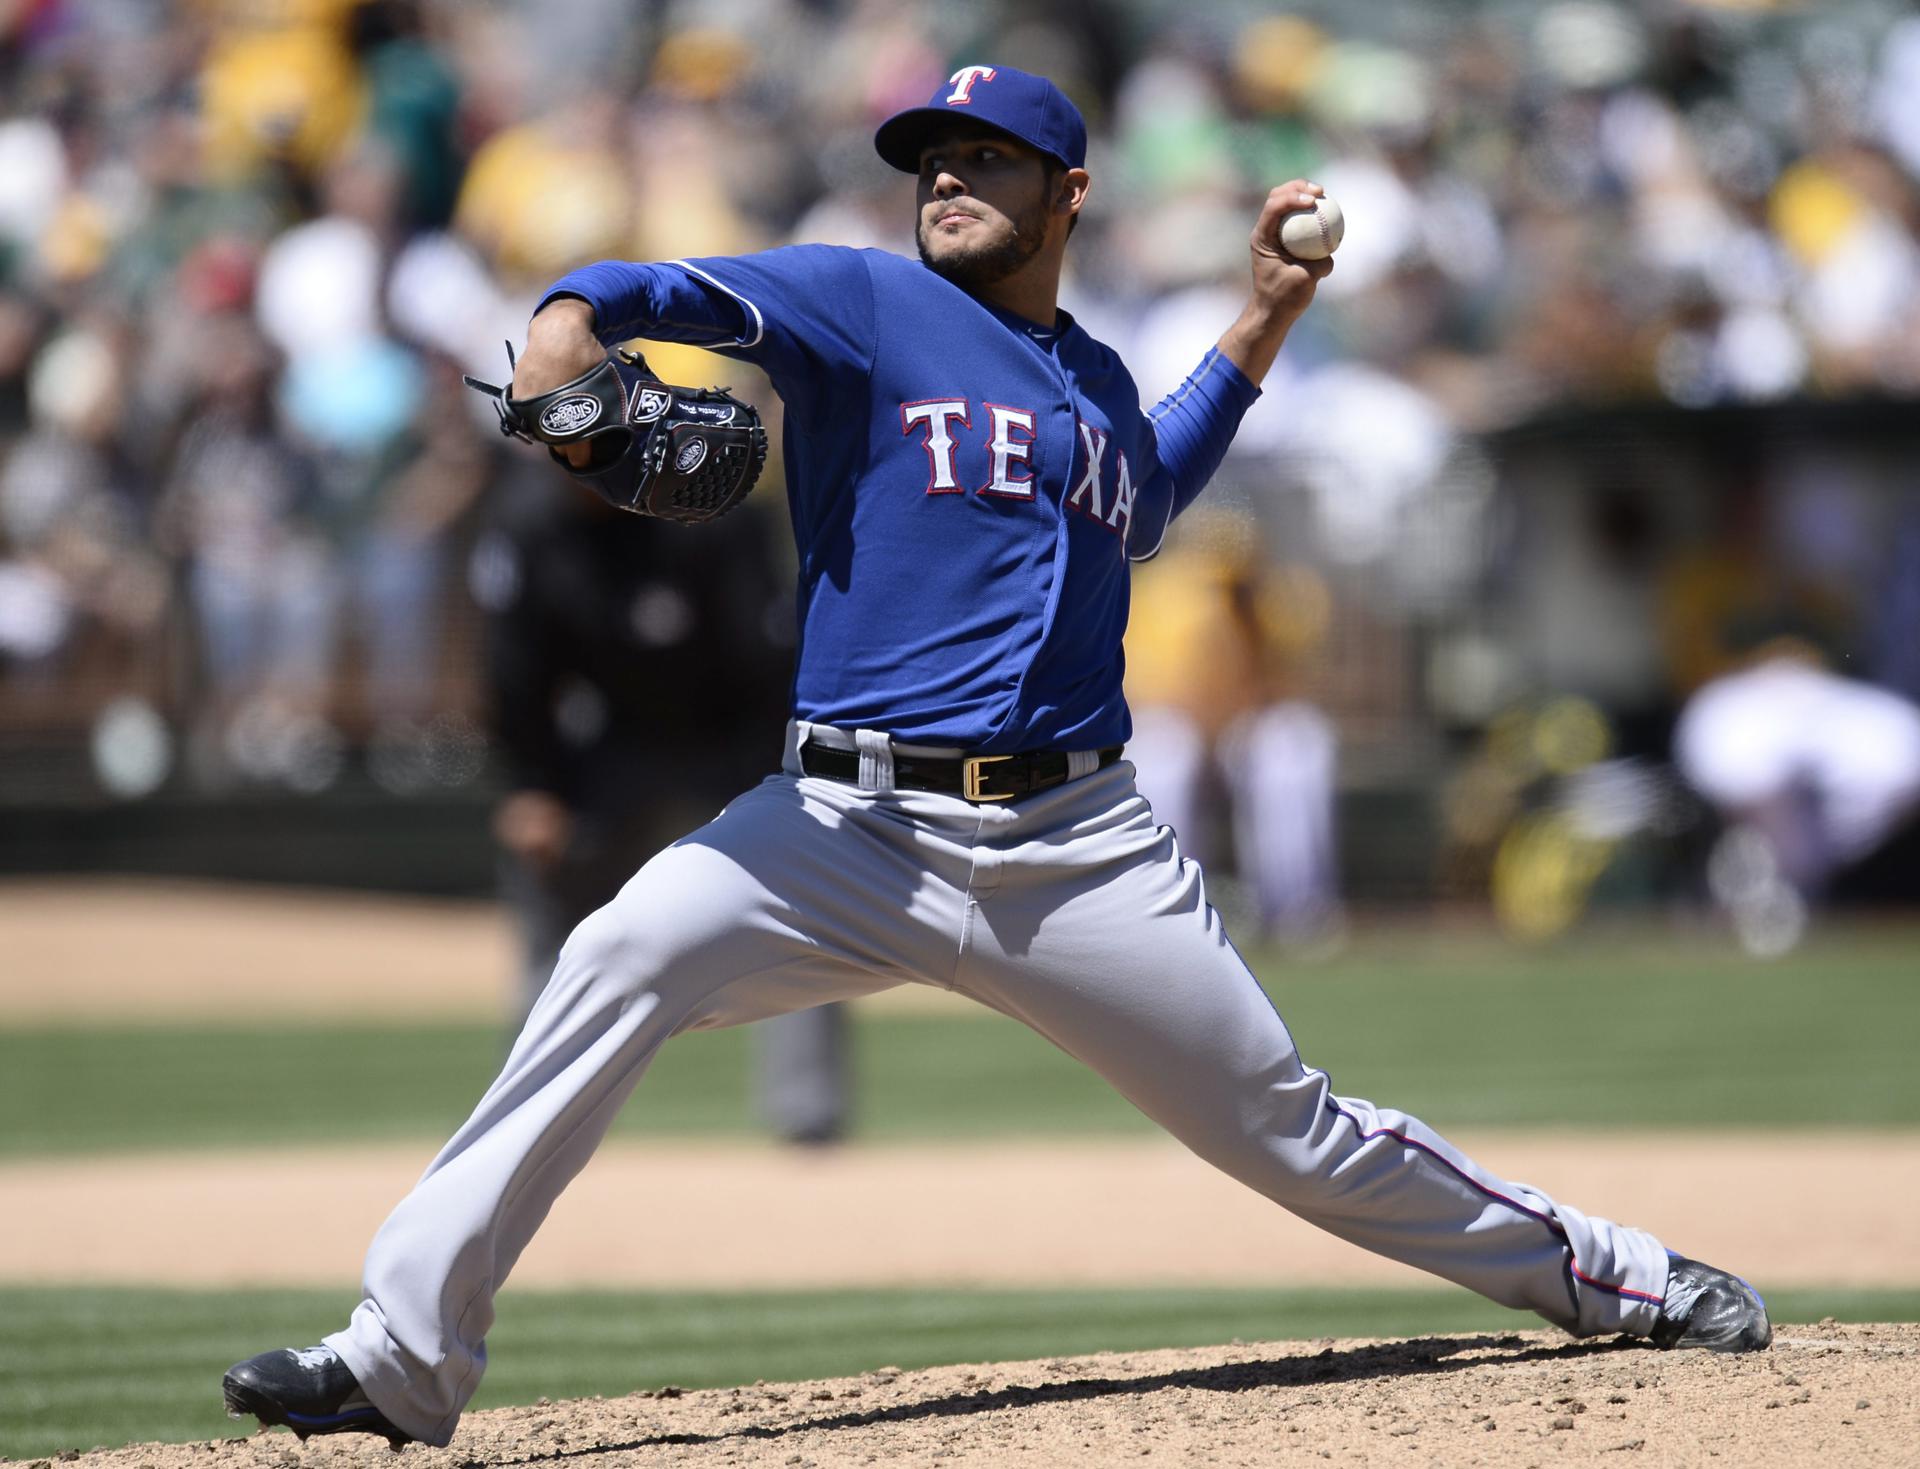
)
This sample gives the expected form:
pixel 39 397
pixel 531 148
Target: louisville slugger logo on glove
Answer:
pixel 683 454
pixel 570 415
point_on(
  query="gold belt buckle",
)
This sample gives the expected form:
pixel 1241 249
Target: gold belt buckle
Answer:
pixel 970 777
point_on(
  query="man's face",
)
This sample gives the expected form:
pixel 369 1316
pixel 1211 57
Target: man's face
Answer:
pixel 983 205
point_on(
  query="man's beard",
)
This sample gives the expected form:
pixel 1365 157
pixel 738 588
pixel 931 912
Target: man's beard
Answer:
pixel 974 270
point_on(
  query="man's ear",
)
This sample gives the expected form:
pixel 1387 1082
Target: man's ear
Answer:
pixel 1071 192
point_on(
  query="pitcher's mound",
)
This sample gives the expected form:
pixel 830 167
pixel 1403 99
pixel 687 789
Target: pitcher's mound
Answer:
pixel 1824 1394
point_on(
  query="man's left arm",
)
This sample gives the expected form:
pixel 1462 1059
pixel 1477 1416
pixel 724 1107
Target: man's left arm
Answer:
pixel 1194 424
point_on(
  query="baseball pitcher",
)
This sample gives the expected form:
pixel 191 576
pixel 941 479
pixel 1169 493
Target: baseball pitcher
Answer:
pixel 969 474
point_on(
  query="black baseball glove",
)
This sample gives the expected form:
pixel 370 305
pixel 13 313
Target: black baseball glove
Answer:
pixel 683 454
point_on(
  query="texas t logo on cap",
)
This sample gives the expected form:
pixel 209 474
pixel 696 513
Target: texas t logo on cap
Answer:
pixel 963 81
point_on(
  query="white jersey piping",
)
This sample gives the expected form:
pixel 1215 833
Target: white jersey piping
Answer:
pixel 759 321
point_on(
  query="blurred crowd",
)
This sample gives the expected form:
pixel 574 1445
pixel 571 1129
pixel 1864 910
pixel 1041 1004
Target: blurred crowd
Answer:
pixel 247 247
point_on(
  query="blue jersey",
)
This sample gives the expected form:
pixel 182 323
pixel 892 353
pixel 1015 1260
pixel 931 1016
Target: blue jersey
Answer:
pixel 966 487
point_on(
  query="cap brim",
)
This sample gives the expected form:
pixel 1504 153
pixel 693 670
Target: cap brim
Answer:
pixel 902 137
pixel 899 139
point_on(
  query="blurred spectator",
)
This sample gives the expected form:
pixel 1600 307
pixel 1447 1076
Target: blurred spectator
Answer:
pixel 546 194
pixel 1745 574
pixel 413 103
pixel 71 514
pixel 388 432
pixel 279 85
pixel 241 511
pixel 1228 750
pixel 1810 772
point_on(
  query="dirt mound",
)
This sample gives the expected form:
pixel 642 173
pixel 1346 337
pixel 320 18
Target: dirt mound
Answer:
pixel 1825 1393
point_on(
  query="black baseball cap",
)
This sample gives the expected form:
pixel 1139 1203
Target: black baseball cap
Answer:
pixel 1017 103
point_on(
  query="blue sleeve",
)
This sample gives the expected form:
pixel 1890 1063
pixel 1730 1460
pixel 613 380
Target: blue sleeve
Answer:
pixel 802 313
pixel 1191 428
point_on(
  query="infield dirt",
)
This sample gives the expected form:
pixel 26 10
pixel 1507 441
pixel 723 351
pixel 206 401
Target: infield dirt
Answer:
pixel 1044 1211
pixel 1839 1395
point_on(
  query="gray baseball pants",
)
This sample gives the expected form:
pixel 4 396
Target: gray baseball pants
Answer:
pixel 1071 911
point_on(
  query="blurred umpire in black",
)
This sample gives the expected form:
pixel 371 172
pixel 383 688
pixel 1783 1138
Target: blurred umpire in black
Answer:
pixel 633 670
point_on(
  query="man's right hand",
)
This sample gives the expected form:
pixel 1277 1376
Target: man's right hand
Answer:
pixel 560 347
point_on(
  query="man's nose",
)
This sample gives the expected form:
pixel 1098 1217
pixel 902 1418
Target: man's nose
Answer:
pixel 946 185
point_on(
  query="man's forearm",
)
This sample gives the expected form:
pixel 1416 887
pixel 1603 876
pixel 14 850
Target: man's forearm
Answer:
pixel 1253 342
pixel 560 346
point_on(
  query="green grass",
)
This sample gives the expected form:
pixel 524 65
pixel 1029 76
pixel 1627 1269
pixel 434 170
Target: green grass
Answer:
pixel 85 1366
pixel 1648 1033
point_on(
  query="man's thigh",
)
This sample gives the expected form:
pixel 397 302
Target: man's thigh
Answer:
pixel 1120 961
pixel 781 902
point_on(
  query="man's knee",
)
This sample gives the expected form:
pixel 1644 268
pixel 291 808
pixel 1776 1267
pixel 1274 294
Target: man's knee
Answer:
pixel 1279 1135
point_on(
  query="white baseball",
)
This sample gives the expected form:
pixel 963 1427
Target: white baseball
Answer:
pixel 1313 234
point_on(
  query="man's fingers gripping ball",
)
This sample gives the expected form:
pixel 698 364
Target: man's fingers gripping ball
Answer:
pixel 1299 226
pixel 1313 233
pixel 682 454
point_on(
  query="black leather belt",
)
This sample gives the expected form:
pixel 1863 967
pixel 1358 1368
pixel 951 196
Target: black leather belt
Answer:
pixel 975 777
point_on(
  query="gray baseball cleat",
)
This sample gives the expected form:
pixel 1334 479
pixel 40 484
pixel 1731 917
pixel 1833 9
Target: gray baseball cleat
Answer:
pixel 310 1391
pixel 1711 1310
